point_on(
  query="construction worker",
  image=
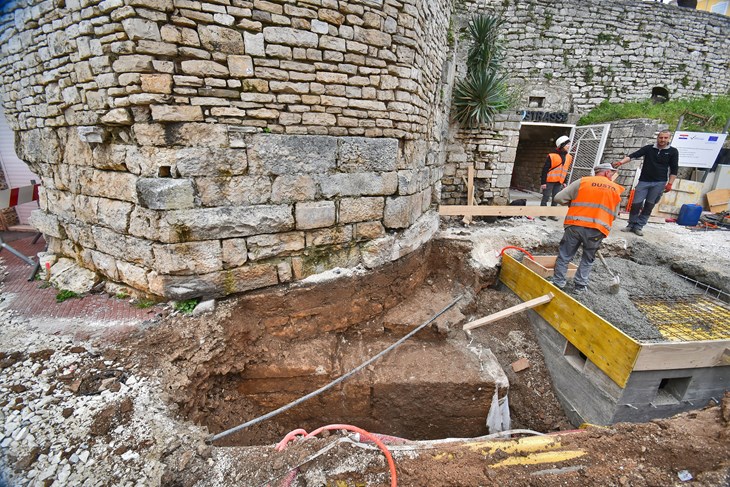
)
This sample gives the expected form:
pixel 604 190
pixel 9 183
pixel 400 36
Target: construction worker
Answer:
pixel 658 172
pixel 594 204
pixel 555 171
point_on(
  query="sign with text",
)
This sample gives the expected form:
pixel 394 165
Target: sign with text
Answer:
pixel 698 149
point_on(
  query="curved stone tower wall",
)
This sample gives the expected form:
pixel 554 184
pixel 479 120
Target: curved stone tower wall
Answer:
pixel 193 148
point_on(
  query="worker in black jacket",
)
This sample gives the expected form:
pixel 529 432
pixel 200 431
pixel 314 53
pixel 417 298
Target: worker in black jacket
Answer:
pixel 658 172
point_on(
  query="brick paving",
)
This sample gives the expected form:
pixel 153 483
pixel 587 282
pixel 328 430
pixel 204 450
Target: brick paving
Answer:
pixel 31 300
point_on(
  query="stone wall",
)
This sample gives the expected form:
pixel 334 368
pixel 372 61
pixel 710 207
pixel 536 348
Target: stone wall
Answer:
pixel 574 54
pixel 194 149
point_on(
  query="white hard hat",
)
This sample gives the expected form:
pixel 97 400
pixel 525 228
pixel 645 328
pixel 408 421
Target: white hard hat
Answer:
pixel 561 141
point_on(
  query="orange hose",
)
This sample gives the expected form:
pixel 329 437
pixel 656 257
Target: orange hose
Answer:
pixel 391 464
pixel 517 248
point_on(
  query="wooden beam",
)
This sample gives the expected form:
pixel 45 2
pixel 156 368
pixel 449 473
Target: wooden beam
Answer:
pixel 683 355
pixel 469 193
pixel 610 349
pixel 508 312
pixel 484 210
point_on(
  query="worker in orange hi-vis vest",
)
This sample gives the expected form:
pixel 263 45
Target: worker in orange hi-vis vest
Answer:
pixel 594 204
pixel 555 171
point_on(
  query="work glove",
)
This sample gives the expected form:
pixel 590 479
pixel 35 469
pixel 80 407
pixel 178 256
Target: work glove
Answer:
pixel 543 186
pixel 667 187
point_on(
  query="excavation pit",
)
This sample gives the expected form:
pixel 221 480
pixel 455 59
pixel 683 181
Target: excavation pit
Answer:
pixel 280 345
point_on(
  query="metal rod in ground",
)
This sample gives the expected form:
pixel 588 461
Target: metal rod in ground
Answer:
pixel 334 382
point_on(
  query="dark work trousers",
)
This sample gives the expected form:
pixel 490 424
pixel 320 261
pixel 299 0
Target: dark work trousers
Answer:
pixel 551 189
pixel 573 238
pixel 646 195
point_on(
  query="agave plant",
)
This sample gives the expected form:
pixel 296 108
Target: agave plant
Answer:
pixel 479 97
pixel 483 93
pixel 486 51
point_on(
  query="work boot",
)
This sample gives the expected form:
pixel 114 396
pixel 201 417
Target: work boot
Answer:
pixel 580 289
pixel 542 218
pixel 554 218
pixel 628 228
pixel 637 231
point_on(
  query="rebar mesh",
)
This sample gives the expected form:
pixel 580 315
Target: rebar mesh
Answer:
pixel 687 319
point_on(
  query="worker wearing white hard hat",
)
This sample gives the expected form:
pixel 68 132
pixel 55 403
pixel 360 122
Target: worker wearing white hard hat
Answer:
pixel 555 171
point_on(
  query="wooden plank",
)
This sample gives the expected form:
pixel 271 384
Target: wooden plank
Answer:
pixel 652 219
pixel 683 355
pixel 718 197
pixel 469 193
pixel 484 210
pixel 606 346
pixel 508 312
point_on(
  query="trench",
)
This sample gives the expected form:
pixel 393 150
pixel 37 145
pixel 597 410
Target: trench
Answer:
pixel 280 344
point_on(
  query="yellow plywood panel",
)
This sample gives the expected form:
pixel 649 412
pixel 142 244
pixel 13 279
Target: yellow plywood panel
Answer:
pixel 611 350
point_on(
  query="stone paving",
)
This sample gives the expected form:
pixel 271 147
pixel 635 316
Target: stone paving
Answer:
pixel 30 299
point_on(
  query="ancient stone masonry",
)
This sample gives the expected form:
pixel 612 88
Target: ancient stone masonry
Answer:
pixel 192 148
pixel 616 51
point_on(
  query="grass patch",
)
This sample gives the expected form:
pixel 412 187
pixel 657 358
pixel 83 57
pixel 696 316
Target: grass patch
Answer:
pixel 65 294
pixel 715 109
pixel 187 306
pixel 143 303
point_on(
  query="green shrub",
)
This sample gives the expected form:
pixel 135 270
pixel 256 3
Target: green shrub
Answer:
pixel 187 306
pixel 143 303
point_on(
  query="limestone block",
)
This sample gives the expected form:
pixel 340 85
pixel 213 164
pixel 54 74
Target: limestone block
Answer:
pixel 188 258
pixel 235 252
pixel 226 222
pixel 369 231
pixel 216 284
pixel 150 161
pixel 320 119
pixel 117 116
pixel 156 83
pixel 39 146
pixel 204 161
pixel 360 154
pixel 373 37
pixel 137 29
pixel 114 214
pixel 290 189
pixel 135 63
pixel 417 235
pixel 165 193
pixel 204 68
pixel 315 214
pixel 198 135
pixel 233 190
pixel 180 35
pixel 330 236
pixel 110 156
pixel 284 271
pixel 290 37
pixel 215 38
pixel 180 113
pixel 240 66
pixel 291 154
pixel 86 208
pixel 79 234
pixel 149 133
pixel 90 135
pixel 402 211
pixel 130 248
pixel 144 223
pixel 47 224
pixel 160 5
pixel 105 264
pixel 409 182
pixel 377 252
pixel 318 262
pixel 361 209
pixel 361 184
pixel 133 275
pixel 66 274
pixel 264 246
pixel 254 44
pixel 109 184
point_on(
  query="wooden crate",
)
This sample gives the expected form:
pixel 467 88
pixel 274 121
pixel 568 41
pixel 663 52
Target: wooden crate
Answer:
pixel 543 265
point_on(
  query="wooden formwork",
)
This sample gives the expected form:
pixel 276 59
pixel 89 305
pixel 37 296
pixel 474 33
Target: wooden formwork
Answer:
pixel 620 375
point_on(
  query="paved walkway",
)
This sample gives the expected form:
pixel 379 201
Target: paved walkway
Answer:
pixel 31 300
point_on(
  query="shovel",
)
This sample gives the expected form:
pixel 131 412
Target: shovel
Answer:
pixel 616 283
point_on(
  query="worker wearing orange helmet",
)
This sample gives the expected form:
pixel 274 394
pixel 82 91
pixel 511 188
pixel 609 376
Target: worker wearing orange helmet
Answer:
pixel 555 171
pixel 594 204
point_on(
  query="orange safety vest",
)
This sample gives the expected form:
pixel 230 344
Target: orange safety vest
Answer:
pixel 594 204
pixel 558 171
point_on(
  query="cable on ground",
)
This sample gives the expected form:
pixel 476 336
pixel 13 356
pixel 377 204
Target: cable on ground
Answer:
pixel 334 382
